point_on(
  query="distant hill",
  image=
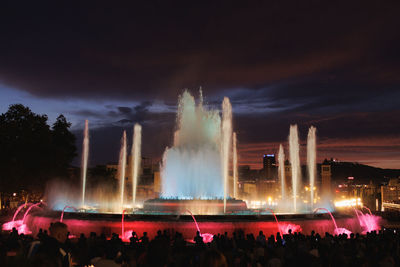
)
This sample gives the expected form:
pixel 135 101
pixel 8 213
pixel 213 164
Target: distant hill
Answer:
pixel 361 173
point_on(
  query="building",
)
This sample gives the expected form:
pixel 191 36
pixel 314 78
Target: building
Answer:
pixel 326 183
pixel 269 166
pixel 146 177
pixel 288 174
pixel 249 190
pixel 391 193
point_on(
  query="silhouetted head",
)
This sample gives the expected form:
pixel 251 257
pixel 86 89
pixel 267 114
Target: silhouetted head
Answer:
pixel 59 231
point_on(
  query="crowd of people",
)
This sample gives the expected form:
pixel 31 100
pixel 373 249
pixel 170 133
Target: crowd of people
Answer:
pixel 54 248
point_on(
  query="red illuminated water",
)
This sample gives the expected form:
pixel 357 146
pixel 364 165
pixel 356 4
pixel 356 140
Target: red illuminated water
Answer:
pixel 337 231
pixel 195 222
pixel 62 213
pixel 364 207
pixel 8 226
pixel 368 222
pixel 111 225
pixel 207 237
pixel 122 225
pixel 19 209
pixel 284 227
pixel 29 209
pixel 19 225
pixel 125 235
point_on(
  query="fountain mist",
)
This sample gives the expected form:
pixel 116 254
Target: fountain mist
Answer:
pixel 235 168
pixel 122 167
pixel 294 161
pixel 135 159
pixel 311 160
pixel 281 170
pixel 197 143
pixel 226 142
pixel 85 155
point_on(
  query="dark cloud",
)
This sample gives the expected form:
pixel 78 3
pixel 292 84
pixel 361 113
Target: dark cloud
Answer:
pixel 87 113
pixel 151 51
pixel 125 121
pixel 124 110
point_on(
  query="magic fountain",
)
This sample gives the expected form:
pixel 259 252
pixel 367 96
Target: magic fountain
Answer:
pixel 196 178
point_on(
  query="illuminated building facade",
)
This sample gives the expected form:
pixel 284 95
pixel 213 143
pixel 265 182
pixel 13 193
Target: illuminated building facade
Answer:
pixel 326 183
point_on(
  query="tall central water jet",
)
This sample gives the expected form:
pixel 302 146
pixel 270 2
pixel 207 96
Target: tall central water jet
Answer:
pixel 122 167
pixel 311 160
pixel 192 167
pixel 235 168
pixel 226 143
pixel 294 161
pixel 281 170
pixel 85 155
pixel 135 159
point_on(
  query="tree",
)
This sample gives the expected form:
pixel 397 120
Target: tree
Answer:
pixel 63 144
pixel 30 152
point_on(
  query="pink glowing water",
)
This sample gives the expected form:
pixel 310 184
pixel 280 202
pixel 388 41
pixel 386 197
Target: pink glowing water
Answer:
pixel 364 207
pixel 368 222
pixel 194 219
pixel 29 209
pixel 21 227
pixel 284 228
pixel 19 209
pixel 8 226
pixel 122 225
pixel 62 213
pixel 127 235
pixel 207 237
pixel 18 224
pixel 337 230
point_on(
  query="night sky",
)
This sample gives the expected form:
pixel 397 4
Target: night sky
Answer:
pixel 331 65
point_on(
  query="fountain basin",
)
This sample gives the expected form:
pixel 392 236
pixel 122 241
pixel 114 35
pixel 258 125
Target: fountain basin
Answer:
pixel 196 206
pixel 111 223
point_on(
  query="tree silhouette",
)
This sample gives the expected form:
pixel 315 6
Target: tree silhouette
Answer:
pixel 31 152
pixel 63 145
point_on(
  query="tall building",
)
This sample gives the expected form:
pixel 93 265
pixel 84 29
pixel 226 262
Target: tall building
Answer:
pixel 288 174
pixel 391 193
pixel 269 166
pixel 326 184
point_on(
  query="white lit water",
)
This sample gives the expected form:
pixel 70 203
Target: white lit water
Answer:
pixel 226 143
pixel 84 163
pixel 311 160
pixel 122 168
pixel 295 163
pixel 235 166
pixel 135 159
pixel 196 166
pixel 281 171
